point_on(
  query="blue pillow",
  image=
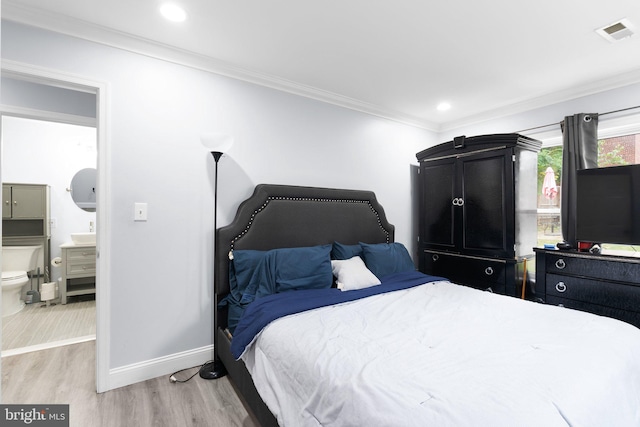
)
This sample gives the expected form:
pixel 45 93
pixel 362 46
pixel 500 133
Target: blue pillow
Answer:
pixel 290 269
pixel 241 268
pixel 344 252
pixel 384 259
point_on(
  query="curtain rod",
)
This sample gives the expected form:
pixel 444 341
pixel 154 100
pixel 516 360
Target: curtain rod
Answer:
pixel 559 123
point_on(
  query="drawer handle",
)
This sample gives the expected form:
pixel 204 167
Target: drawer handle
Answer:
pixel 561 287
pixel 488 271
pixel 560 264
pixel 435 257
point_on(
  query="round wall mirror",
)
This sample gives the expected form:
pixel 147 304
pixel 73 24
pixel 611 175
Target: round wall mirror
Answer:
pixel 83 189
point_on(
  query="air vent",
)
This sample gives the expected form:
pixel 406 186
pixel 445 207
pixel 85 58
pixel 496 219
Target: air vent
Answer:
pixel 617 31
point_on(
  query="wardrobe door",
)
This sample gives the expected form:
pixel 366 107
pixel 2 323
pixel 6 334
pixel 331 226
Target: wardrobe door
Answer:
pixel 437 212
pixel 487 220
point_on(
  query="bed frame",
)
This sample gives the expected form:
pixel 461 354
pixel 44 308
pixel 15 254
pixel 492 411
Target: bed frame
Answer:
pixel 282 216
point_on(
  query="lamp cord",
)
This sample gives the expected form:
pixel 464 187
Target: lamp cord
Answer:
pixel 173 378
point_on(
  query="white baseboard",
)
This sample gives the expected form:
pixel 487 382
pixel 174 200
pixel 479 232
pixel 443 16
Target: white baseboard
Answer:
pixel 153 368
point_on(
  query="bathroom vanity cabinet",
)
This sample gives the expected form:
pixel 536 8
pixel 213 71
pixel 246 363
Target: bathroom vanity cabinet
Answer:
pixel 78 270
pixel 25 219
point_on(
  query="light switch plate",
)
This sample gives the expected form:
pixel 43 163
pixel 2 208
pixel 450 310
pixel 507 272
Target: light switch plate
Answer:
pixel 140 212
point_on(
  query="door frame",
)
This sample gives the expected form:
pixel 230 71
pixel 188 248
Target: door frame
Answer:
pixel 55 78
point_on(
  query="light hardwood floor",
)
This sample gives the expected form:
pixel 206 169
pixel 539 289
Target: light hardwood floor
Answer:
pixel 66 375
pixel 36 325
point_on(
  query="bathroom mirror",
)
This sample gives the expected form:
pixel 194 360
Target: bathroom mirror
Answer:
pixel 83 189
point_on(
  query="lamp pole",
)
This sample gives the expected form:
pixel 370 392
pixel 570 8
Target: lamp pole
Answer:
pixel 214 369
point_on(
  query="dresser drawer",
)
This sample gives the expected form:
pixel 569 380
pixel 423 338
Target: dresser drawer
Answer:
pixel 624 297
pixel 87 269
pixel 81 254
pixel 597 268
pixel 616 313
pixel 480 273
pixel 81 262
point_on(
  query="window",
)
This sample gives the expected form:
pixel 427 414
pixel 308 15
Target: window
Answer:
pixel 549 193
pixel 619 150
pixel 612 151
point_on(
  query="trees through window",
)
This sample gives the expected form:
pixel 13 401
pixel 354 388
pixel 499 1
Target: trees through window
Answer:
pixel 613 151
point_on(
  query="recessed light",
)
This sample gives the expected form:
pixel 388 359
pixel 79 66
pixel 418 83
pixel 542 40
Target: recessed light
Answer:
pixel 443 106
pixel 173 12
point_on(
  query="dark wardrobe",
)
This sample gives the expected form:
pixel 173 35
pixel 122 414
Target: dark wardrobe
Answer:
pixel 478 211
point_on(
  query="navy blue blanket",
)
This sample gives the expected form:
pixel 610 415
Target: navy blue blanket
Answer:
pixel 267 309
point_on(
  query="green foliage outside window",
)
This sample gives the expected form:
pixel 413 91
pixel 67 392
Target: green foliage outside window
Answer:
pixel 610 157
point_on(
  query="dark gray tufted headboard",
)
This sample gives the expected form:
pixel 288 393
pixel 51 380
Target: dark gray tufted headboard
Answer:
pixel 282 216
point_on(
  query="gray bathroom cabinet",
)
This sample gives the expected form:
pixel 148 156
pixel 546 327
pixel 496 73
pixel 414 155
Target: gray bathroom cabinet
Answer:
pixel 78 271
pixel 25 219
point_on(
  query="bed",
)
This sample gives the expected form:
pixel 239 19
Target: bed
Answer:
pixel 409 350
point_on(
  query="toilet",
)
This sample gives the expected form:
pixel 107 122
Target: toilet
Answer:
pixel 16 262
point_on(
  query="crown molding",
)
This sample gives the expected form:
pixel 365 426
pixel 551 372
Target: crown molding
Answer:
pixel 13 11
pixel 556 97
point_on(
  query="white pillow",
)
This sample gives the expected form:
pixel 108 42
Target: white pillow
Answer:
pixel 353 274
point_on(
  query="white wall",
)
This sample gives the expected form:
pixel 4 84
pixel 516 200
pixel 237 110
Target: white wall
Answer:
pixel 37 152
pixel 611 100
pixel 160 269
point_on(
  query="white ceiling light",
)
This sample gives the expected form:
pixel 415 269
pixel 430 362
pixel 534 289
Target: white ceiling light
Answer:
pixel 443 106
pixel 617 31
pixel 173 12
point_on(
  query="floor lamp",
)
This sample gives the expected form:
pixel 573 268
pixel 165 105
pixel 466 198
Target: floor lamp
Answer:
pixel 215 369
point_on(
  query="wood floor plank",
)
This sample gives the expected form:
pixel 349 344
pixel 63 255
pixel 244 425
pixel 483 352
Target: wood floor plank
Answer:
pixel 66 375
pixel 36 324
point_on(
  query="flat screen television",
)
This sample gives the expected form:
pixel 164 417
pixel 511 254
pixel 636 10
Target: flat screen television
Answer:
pixel 608 205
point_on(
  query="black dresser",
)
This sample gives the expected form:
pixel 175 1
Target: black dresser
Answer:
pixel 477 210
pixel 601 284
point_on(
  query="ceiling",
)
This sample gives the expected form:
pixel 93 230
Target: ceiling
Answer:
pixel 397 59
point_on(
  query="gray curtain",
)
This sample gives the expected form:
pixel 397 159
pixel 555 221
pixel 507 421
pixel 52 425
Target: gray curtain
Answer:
pixel 580 151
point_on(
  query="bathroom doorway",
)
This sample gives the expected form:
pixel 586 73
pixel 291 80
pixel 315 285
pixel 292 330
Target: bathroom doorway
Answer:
pixel 51 154
pixel 39 107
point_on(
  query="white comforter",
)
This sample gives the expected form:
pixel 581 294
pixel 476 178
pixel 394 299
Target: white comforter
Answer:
pixel 446 355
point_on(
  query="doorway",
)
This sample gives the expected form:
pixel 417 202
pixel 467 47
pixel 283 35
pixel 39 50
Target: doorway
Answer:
pixel 54 81
pixel 49 155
